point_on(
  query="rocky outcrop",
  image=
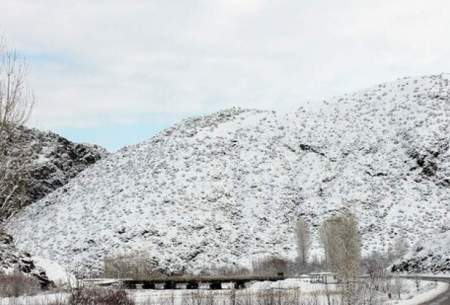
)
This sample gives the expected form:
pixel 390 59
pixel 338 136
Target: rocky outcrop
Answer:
pixel 56 160
pixel 423 264
pixel 51 162
pixel 430 255
pixel 12 259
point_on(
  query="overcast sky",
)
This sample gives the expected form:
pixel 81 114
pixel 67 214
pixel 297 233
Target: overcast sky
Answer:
pixel 116 72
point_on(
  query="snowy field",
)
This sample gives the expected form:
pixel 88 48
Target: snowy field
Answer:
pixel 290 291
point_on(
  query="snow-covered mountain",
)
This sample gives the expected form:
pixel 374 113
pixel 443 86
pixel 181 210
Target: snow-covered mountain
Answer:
pixel 225 188
pixel 54 161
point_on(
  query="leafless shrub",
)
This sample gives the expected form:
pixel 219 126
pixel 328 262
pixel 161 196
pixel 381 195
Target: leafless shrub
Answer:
pixel 417 284
pixel 245 299
pixel 74 278
pixel 99 297
pixel 54 302
pixel 375 265
pixel 167 300
pixel 223 271
pixel 312 300
pixel 58 300
pixel 136 265
pixel 265 297
pixel 399 248
pixel 232 297
pixel 367 294
pixel 17 284
pixel 315 265
pixel 272 296
pixel 280 297
pixel 270 265
pixel 196 298
pixel 328 295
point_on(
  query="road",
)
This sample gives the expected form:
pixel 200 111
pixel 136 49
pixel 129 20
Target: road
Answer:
pixel 443 299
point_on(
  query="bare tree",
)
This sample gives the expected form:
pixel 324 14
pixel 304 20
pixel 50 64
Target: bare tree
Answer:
pixel 343 250
pixel 16 99
pixel 303 239
pixel 401 247
pixel 398 286
pixel 323 234
pixel 375 266
pixel 16 103
pixel 398 248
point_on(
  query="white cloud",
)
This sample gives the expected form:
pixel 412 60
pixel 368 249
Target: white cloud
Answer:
pixel 112 61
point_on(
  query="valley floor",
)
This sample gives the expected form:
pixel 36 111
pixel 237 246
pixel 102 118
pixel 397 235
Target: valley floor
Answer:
pixel 290 291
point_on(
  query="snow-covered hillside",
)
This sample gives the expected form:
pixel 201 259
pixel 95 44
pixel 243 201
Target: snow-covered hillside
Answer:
pixel 224 188
pixel 54 161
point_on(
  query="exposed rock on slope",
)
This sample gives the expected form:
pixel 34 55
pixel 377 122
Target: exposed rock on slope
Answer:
pixel 13 259
pixel 429 255
pixel 221 189
pixel 54 161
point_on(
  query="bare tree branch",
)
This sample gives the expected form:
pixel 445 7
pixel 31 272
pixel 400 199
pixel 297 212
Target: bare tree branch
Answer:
pixel 16 103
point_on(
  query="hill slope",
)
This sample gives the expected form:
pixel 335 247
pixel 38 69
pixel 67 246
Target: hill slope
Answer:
pixel 428 255
pixel 54 161
pixel 225 188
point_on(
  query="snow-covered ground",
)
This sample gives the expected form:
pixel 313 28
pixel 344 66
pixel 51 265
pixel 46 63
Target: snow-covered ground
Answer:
pixel 410 293
pixel 299 289
pixel 423 296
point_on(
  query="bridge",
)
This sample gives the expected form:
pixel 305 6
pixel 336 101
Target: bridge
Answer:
pixel 194 282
